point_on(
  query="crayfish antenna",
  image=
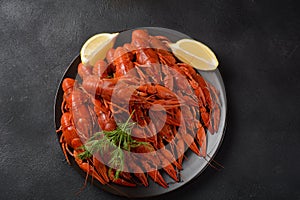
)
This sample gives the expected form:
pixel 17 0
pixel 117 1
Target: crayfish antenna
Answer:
pixel 218 164
pixel 64 148
pixel 84 185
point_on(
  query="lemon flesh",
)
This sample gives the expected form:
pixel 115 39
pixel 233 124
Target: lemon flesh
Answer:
pixel 96 47
pixel 195 53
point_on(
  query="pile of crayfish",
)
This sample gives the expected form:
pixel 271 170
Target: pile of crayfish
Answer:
pixel 170 106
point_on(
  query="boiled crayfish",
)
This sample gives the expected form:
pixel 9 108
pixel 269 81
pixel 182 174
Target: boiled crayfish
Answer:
pixel 171 106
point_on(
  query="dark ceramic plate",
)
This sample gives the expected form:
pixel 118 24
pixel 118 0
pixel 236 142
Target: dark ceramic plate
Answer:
pixel 194 165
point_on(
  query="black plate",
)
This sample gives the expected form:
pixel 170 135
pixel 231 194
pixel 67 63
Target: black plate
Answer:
pixel 191 167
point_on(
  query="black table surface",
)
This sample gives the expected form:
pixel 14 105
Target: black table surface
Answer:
pixel 256 42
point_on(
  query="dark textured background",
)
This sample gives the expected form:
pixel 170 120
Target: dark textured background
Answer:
pixel 257 43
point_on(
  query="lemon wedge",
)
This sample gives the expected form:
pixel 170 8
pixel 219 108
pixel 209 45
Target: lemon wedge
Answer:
pixel 195 53
pixel 96 47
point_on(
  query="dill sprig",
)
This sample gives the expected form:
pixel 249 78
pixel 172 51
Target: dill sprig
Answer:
pixel 119 139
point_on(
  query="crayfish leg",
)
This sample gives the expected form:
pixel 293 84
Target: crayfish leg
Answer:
pixel 64 148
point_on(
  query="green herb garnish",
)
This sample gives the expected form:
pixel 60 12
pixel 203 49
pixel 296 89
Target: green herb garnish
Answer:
pixel 119 139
